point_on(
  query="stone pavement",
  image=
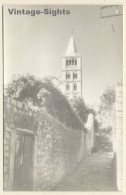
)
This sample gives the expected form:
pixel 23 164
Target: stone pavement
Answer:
pixel 94 173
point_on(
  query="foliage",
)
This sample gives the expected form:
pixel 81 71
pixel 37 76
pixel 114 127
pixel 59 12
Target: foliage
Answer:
pixel 103 140
pixel 96 125
pixel 42 93
pixel 104 130
pixel 106 106
pixel 108 98
pixel 81 109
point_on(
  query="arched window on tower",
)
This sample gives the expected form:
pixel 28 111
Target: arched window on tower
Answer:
pixel 67 75
pixel 75 75
pixel 67 87
pixel 66 62
pixel 70 62
pixel 75 87
pixel 75 61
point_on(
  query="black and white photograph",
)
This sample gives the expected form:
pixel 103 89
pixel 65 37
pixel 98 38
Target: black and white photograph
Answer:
pixel 63 97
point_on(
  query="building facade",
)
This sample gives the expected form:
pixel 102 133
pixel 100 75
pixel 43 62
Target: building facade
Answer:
pixel 72 71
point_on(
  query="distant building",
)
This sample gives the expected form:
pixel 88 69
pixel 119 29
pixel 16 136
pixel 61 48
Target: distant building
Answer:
pixel 72 71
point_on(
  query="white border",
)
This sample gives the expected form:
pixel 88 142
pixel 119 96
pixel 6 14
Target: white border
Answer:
pixel 64 2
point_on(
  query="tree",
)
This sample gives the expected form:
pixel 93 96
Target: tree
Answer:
pixel 106 106
pixel 42 93
pixel 81 109
pixel 108 98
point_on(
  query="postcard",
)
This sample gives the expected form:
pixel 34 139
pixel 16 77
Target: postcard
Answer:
pixel 63 97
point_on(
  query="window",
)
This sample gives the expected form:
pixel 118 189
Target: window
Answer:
pixel 67 87
pixel 67 75
pixel 75 87
pixel 74 75
pixel 72 61
pixel 75 61
pixel 69 62
pixel 66 62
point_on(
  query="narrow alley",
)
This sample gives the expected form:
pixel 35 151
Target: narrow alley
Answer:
pixel 95 173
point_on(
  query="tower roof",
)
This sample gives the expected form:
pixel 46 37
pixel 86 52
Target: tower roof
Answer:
pixel 71 49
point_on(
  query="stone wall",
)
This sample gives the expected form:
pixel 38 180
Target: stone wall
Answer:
pixel 57 149
pixel 117 126
pixel 119 135
pixel 16 115
pixel 7 144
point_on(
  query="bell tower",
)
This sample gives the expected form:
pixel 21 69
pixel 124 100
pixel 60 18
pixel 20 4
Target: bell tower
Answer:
pixel 72 71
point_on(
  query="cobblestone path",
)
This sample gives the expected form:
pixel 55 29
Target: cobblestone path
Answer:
pixel 95 173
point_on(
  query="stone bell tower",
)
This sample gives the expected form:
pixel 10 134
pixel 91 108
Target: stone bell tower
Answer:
pixel 72 71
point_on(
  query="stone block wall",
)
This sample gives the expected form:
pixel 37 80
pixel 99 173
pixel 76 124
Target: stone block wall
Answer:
pixel 16 115
pixel 7 141
pixel 119 136
pixel 57 149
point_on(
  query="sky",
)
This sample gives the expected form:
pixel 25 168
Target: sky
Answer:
pixel 37 44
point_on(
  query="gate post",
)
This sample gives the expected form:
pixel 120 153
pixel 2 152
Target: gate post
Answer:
pixel 90 135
